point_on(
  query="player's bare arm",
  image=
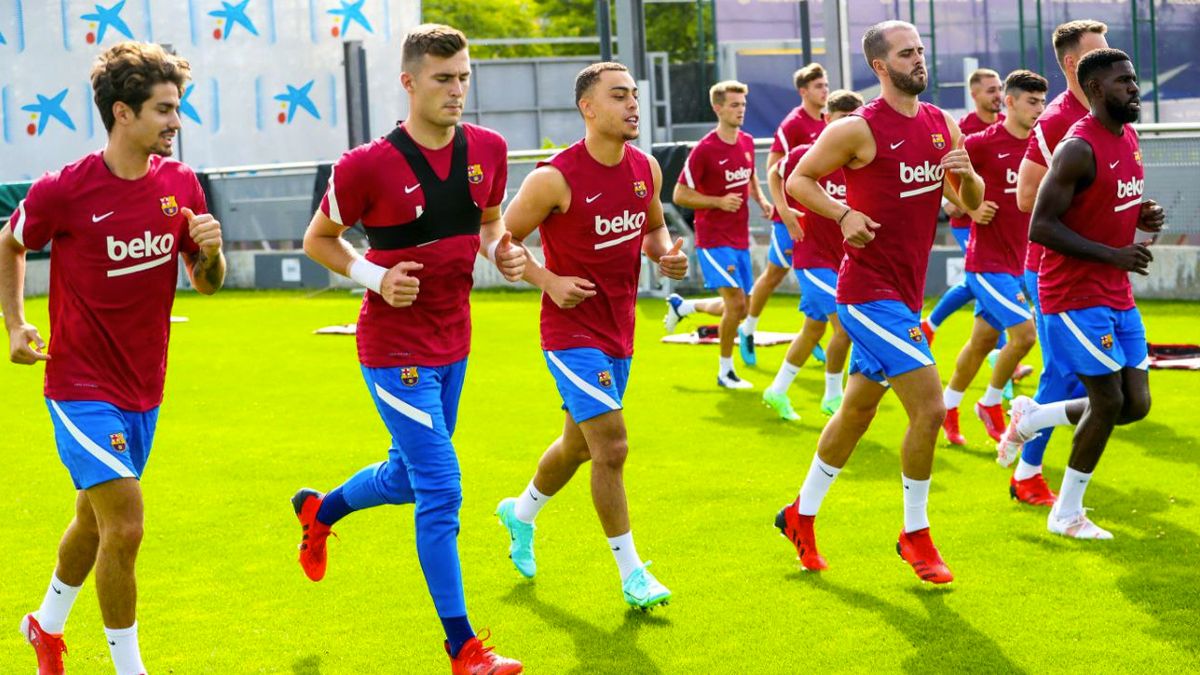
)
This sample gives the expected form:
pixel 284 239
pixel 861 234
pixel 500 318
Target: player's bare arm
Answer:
pixel 1072 169
pixel 323 243
pixel 691 199
pixel 207 267
pixel 25 345
pixel 1029 177
pixel 544 192
pixel 847 142
pixel 786 215
pixel 757 192
pixel 961 178
pixel 496 244
pixel 773 159
pixel 656 242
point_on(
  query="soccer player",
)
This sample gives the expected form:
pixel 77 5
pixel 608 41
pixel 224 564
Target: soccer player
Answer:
pixel 1031 422
pixel 900 157
pixel 119 220
pixel 996 256
pixel 817 253
pixel 1088 210
pixel 428 195
pixel 596 204
pixel 800 127
pixel 987 92
pixel 717 178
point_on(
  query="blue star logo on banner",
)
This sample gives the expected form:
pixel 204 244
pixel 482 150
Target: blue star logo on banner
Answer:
pixel 297 98
pixel 234 15
pixel 2 40
pixel 351 11
pixel 186 107
pixel 105 17
pixel 47 108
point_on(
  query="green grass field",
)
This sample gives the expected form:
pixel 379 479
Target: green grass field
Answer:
pixel 257 407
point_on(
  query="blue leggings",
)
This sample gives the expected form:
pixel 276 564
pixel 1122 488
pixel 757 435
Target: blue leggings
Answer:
pixel 1053 384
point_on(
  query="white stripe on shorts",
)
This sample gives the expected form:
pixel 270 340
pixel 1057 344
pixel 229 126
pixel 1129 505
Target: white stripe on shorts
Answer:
pixel 1104 359
pixel 586 388
pixel 1008 304
pixel 88 444
pixel 909 350
pixel 411 412
pixel 720 269
pixel 818 283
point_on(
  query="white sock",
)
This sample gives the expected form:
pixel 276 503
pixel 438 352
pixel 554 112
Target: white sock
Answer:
pixel 952 398
pixel 783 379
pixel 916 497
pixel 816 484
pixel 833 385
pixel 529 503
pixel 625 554
pixel 726 365
pixel 750 324
pixel 992 396
pixel 56 606
pixel 123 645
pixel 934 326
pixel 687 307
pixel 1043 416
pixel 1025 470
pixel 1070 498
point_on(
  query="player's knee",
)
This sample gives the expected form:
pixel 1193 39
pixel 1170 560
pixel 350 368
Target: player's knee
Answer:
pixel 613 455
pixel 123 534
pixel 1136 408
pixel 1108 406
pixel 857 417
pixel 441 503
pixel 930 415
pixel 1022 337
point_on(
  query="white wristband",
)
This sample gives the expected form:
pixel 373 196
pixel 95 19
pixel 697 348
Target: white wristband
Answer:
pixel 491 251
pixel 367 273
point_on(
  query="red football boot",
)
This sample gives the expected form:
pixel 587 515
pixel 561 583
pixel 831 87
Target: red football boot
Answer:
pixel 1022 371
pixel 49 647
pixel 993 420
pixel 950 427
pixel 928 331
pixel 918 550
pixel 307 502
pixel 799 530
pixel 1031 491
pixel 475 659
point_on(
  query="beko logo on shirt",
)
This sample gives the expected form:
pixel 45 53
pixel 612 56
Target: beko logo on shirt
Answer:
pixel 922 173
pixel 1131 188
pixel 1010 176
pixel 736 175
pixel 158 248
pixel 625 222
pixel 835 190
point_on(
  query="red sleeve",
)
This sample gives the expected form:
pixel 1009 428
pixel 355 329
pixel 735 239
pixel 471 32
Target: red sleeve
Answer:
pixel 500 182
pixel 693 169
pixel 1038 151
pixel 777 143
pixel 36 220
pixel 345 198
pixel 973 145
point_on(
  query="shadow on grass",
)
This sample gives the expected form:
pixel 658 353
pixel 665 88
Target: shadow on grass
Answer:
pixel 309 665
pixel 944 640
pixel 595 648
pixel 1162 441
pixel 1161 574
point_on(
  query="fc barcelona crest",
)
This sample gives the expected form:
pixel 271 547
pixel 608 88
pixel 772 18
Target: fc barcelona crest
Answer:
pixel 604 377
pixel 939 141
pixel 1106 341
pixel 117 441
pixel 914 334
pixel 475 173
pixel 1137 157
pixel 169 207
pixel 1021 298
pixel 409 375
pixel 639 188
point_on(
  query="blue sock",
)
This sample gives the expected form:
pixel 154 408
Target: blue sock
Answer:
pixel 458 632
pixel 333 507
pixel 1034 449
pixel 951 301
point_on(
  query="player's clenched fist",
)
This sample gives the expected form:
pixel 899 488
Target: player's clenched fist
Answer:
pixel 958 162
pixel 509 258
pixel 857 228
pixel 566 292
pixel 205 230
pixel 25 345
pixel 674 263
pixel 731 202
pixel 984 214
pixel 399 288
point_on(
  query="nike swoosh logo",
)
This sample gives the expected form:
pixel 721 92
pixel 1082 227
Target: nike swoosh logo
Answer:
pixel 722 161
pixel 896 145
pixel 96 218
pixel 616 548
pixel 1002 156
pixel 533 498
pixel 593 198
pixel 409 190
pixel 1114 164
pixel 114 644
pixel 825 472
pixel 55 589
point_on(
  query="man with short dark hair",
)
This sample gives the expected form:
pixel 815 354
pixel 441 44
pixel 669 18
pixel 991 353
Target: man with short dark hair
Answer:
pixel 428 195
pixel 1087 214
pixel 596 205
pixel 119 220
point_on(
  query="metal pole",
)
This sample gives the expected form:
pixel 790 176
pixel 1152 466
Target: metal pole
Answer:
pixel 805 33
pixel 358 110
pixel 1134 8
pixel 1154 57
pixel 604 29
pixel 701 49
pixel 933 71
pixel 1021 29
pixel 1041 42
